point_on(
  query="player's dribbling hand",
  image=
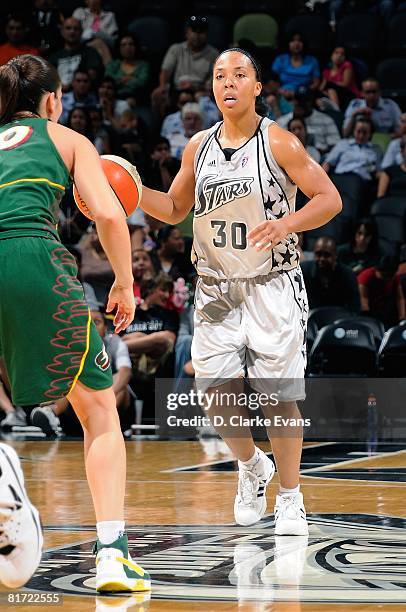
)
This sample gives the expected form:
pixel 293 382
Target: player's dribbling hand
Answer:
pixel 121 298
pixel 268 234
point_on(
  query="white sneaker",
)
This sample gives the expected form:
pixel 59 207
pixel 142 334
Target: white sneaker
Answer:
pixel 45 418
pixel 20 527
pixel 116 570
pixel 16 418
pixel 250 501
pixel 290 516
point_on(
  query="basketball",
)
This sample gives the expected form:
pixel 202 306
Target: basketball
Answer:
pixel 124 181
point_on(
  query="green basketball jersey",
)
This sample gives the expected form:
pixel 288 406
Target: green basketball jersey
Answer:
pixel 33 179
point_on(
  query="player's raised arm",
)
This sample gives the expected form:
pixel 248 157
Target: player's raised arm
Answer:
pixel 173 207
pixel 112 229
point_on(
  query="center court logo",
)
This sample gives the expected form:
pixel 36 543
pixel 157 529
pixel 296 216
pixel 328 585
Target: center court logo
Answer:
pixel 346 559
pixel 214 192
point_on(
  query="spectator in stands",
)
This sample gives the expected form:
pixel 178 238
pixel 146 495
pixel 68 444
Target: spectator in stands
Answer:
pixel 170 254
pixel 384 112
pixel 393 154
pixel 119 356
pixel 132 139
pixel 96 22
pixel 183 362
pixel 79 121
pixel 81 95
pixel 47 20
pixel 143 269
pixel 74 55
pixel 357 154
pixel 298 127
pixel 130 73
pixel 189 63
pixel 384 7
pixel 277 103
pixel 329 282
pixel 111 107
pixel 381 292
pixel 95 268
pixel 339 80
pixel 153 228
pixel 392 180
pixel 296 68
pixel 102 135
pixel 151 336
pixel 16 44
pixel 162 167
pixel 320 127
pixel 210 112
pixel 173 122
pixel 192 122
pixel 363 250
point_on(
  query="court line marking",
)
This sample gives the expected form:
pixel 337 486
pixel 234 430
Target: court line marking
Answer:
pixel 327 468
pixel 219 461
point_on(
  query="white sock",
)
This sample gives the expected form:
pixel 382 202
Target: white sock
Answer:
pixel 288 492
pixel 255 464
pixel 109 531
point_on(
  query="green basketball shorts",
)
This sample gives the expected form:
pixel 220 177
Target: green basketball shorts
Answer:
pixel 47 338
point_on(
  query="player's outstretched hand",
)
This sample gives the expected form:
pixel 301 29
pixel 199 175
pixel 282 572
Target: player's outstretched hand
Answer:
pixel 121 298
pixel 268 234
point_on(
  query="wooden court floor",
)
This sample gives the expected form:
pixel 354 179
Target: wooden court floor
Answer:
pixel 180 517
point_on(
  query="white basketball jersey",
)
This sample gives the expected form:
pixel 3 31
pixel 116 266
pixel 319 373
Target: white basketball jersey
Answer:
pixel 231 198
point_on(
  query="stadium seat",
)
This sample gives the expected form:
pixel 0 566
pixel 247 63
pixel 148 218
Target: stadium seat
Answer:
pixel 153 34
pixel 259 28
pixel 390 74
pixel 382 140
pixel 350 187
pixel 392 353
pixel 336 229
pixel 325 315
pixel 390 214
pixel 343 349
pixel 311 334
pixel 313 28
pixel 360 34
pixel 374 325
pixel 396 39
pixel 212 7
pixel 219 34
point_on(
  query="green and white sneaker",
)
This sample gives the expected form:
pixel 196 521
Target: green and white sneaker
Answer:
pixel 116 571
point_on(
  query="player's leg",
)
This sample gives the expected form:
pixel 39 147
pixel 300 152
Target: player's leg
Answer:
pixel 279 352
pixel 20 528
pixel 218 355
pixel 105 462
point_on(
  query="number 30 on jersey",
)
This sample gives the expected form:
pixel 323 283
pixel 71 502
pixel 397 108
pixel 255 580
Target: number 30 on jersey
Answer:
pixel 234 233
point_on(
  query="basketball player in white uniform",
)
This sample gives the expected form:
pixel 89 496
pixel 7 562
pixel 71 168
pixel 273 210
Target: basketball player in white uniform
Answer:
pixel 250 303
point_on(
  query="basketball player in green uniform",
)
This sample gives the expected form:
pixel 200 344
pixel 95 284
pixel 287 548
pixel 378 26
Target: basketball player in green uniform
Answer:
pixel 48 341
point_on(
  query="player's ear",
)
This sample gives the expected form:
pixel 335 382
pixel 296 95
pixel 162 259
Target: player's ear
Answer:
pixel 50 103
pixel 258 88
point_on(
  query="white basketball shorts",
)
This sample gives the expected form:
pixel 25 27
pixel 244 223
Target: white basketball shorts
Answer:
pixel 254 327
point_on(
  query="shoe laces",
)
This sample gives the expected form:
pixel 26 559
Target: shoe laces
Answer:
pixel 289 505
pixel 248 486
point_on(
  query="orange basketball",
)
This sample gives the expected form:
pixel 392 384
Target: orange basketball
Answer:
pixel 124 181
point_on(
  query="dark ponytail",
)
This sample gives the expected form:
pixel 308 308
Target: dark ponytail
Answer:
pixel 23 82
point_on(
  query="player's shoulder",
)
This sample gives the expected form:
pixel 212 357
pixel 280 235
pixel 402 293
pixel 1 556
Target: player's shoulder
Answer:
pixel 279 137
pixel 67 134
pixel 194 144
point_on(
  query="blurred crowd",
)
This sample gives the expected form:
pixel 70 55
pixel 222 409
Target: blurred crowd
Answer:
pixel 144 99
